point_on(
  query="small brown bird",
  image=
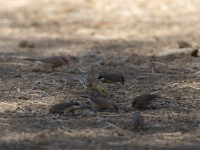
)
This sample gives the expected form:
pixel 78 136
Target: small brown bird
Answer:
pixel 111 77
pixel 65 107
pixel 137 121
pixel 52 62
pixel 101 103
pixel 92 84
pixel 143 100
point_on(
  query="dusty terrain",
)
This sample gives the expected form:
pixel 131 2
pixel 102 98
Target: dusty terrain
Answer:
pixel 133 37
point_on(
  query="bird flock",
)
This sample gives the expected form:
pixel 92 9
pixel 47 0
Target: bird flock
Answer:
pixel 95 90
pixel 96 93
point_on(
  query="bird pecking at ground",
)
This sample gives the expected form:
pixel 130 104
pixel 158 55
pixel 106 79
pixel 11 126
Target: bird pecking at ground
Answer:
pixel 143 100
pixel 101 103
pixel 65 107
pixel 111 77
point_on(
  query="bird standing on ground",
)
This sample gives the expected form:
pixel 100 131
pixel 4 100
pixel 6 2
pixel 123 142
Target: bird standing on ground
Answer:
pixel 65 107
pixel 92 84
pixel 52 62
pixel 101 103
pixel 137 121
pixel 111 77
pixel 143 100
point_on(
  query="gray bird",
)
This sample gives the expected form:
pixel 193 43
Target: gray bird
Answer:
pixel 65 107
pixel 111 77
pixel 101 103
pixel 143 100
pixel 137 121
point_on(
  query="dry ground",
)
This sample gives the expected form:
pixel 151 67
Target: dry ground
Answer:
pixel 119 35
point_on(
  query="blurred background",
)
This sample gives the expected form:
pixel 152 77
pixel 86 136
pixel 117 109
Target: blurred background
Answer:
pixel 70 27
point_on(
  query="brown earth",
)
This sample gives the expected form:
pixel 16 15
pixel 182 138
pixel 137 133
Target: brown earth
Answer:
pixel 133 37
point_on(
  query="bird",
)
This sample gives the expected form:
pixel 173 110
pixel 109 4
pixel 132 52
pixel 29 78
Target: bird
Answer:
pixel 143 100
pixel 52 62
pixel 92 84
pixel 65 107
pixel 137 121
pixel 111 77
pixel 101 103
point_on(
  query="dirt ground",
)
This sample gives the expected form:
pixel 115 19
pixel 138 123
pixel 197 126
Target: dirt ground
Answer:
pixel 138 38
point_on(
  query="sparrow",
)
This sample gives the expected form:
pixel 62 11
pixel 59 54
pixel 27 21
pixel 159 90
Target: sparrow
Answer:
pixel 65 107
pixel 111 77
pixel 101 103
pixel 143 100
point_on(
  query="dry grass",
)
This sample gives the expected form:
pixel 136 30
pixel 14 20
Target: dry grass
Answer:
pixel 99 36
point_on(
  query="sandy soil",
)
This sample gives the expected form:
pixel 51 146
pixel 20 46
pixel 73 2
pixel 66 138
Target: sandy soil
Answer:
pixel 133 37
